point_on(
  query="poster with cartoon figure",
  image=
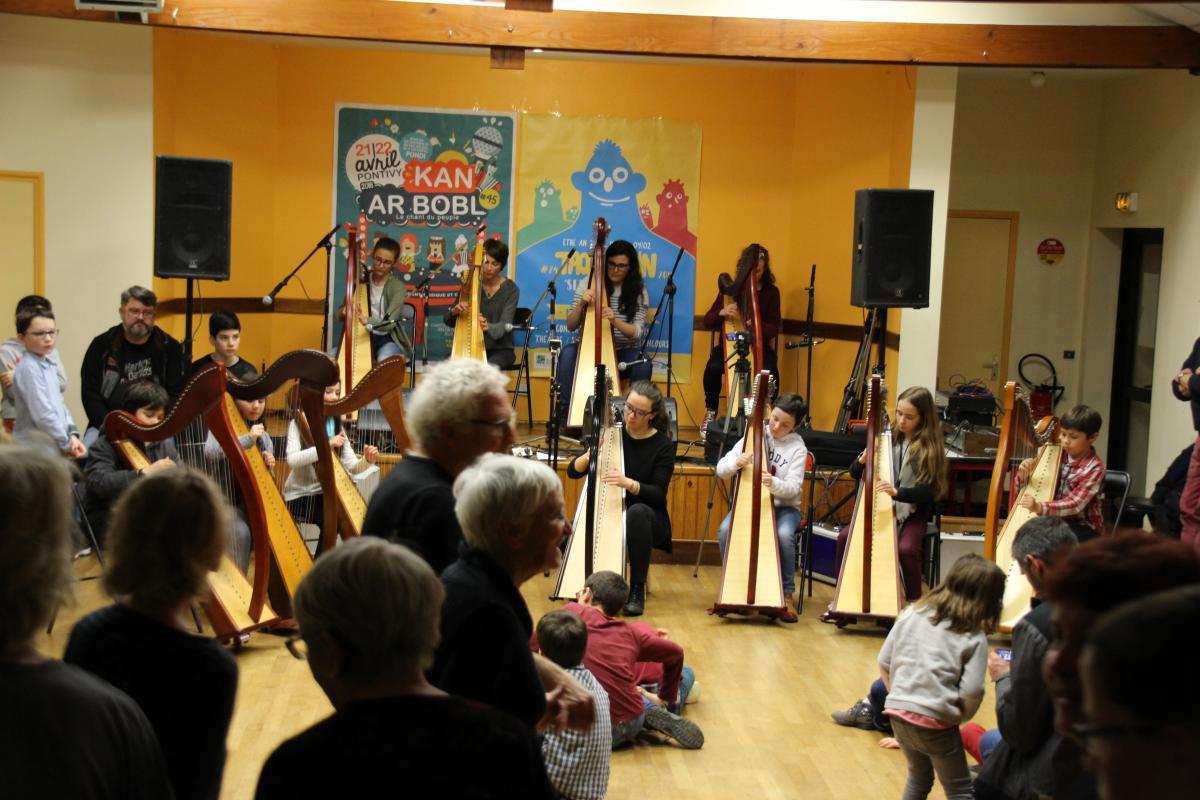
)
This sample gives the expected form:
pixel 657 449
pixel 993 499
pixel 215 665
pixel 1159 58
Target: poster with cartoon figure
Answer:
pixel 642 176
pixel 426 178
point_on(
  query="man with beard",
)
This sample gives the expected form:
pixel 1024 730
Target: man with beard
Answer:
pixel 134 350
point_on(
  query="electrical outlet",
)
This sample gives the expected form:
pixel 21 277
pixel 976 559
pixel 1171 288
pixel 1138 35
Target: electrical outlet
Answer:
pixel 1069 354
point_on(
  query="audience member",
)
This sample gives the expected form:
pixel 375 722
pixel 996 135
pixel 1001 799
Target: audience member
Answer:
pixel 368 617
pixel 458 411
pixel 11 352
pixel 1142 732
pixel 1186 387
pixel 168 532
pixel 127 352
pixel 36 388
pixel 65 733
pixel 577 762
pixel 511 512
pixel 106 474
pixel 225 335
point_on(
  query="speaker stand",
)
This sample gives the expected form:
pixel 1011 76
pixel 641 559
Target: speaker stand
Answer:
pixel 187 316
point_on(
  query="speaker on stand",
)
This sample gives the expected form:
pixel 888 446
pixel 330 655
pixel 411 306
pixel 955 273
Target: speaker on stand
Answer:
pixel 192 210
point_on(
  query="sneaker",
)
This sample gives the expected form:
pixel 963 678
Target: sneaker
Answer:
pixel 87 551
pixel 694 694
pixel 684 731
pixel 787 615
pixel 857 716
pixel 635 606
pixel 709 416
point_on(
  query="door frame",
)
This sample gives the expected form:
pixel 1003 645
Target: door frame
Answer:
pixel 1014 220
pixel 38 181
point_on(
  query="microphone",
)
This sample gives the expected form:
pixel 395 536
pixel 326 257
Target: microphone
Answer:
pixel 509 327
pixel 268 299
pixel 624 365
pixel 803 343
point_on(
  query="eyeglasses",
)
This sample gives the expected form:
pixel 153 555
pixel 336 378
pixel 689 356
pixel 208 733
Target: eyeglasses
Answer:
pixel 50 334
pixel 383 262
pixel 618 267
pixel 144 313
pixel 297 646
pixel 637 412
pixel 501 426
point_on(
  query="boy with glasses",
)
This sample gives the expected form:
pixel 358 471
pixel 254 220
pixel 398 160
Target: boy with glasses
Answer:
pixel 11 352
pixel 39 402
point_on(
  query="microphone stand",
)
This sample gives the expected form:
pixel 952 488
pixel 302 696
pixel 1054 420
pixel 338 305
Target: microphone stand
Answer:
pixel 551 291
pixel 669 296
pixel 808 339
pixel 326 243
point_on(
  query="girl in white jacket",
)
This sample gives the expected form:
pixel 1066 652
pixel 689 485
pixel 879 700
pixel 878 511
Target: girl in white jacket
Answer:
pixel 786 455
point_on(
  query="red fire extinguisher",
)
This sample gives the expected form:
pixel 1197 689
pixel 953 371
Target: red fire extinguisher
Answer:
pixel 1043 395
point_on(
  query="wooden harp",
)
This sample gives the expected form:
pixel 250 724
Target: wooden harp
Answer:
pixel 869 585
pixel 731 328
pixel 596 346
pixel 1020 438
pixel 751 575
pixel 598 536
pixel 266 510
pixel 354 353
pixel 468 333
pixel 382 383
pixel 234 606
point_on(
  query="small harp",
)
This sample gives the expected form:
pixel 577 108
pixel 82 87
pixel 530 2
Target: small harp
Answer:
pixel 596 345
pixel 383 384
pixel 234 606
pixel 598 537
pixel 1020 438
pixel 869 585
pixel 354 352
pixel 468 333
pixel 751 578
pixel 267 513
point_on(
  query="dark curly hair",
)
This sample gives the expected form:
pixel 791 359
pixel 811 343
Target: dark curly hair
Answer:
pixel 631 287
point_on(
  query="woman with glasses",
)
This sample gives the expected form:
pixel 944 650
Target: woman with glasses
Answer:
pixel 649 457
pixel 167 533
pixel 385 298
pixel 38 398
pixel 626 309
pixel 497 304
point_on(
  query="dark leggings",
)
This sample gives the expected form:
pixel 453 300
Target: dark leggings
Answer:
pixel 912 537
pixel 714 372
pixel 644 528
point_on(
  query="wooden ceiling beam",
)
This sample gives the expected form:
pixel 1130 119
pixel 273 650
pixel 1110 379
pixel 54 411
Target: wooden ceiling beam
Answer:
pixel 1169 46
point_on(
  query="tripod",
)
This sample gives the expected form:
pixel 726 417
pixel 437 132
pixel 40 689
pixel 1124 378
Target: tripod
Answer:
pixel 738 391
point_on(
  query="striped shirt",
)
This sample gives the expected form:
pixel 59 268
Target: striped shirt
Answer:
pixel 578 763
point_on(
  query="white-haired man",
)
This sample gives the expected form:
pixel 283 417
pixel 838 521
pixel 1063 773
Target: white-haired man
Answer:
pixel 458 412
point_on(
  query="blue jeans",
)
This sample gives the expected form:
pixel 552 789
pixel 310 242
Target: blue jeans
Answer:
pixel 624 733
pixel 382 347
pixel 988 743
pixel 566 372
pixel 787 519
pixel 878 696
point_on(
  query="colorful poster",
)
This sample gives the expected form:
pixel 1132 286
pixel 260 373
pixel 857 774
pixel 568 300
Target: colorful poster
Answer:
pixel 426 178
pixel 641 175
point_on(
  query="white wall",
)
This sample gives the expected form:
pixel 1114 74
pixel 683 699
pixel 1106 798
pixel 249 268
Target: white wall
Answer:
pixel 77 100
pixel 1017 148
pixel 1150 143
pixel 933 136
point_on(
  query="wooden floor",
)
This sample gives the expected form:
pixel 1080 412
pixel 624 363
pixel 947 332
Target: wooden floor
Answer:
pixel 767 690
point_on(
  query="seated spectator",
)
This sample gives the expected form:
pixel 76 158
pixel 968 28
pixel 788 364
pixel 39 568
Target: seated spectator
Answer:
pixel 225 335
pixel 1097 577
pixel 65 733
pixel 168 532
pixel 11 352
pixel 36 387
pixel 106 474
pixel 368 617
pixel 616 649
pixel 577 762
pixel 1141 732
pixel 511 512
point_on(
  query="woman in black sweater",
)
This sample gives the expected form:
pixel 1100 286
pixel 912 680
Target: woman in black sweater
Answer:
pixel 649 458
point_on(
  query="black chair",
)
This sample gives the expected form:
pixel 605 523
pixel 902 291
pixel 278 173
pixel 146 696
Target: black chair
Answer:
pixel 521 319
pixel 805 533
pixel 931 548
pixel 1116 485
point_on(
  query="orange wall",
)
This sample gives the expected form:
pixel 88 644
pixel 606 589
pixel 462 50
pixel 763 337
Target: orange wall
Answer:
pixel 784 148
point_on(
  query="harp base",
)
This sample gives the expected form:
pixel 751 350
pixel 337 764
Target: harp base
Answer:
pixel 842 619
pixel 723 609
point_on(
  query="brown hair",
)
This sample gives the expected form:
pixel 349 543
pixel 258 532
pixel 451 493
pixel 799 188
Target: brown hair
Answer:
pixel 562 638
pixel 1111 570
pixel 971 596
pixel 928 451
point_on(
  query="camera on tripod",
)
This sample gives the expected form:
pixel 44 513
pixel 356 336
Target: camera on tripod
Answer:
pixel 741 344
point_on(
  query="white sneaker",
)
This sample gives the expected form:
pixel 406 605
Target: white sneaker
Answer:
pixel 694 694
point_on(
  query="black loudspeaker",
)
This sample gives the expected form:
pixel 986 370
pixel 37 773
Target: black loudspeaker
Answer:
pixel 191 218
pixel 893 229
pixel 618 404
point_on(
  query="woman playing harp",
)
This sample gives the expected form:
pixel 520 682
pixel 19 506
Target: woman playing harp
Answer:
pixel 489 298
pixel 374 311
pixel 649 461
pixel 619 313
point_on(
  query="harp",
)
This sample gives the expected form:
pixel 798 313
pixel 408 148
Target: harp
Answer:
pixel 596 346
pixel 731 328
pixel 381 384
pixel 742 289
pixel 354 353
pixel 266 510
pixel 869 585
pixel 1020 438
pixel 751 578
pixel 598 537
pixel 234 606
pixel 468 333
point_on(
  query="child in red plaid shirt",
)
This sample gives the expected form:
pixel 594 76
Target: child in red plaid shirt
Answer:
pixel 1080 477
